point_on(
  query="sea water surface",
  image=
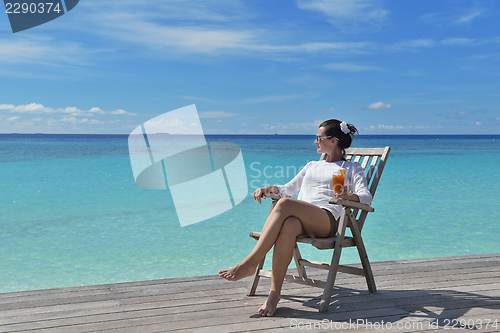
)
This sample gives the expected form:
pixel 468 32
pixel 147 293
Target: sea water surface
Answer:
pixel 71 213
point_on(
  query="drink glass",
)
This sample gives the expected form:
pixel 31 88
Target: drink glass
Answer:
pixel 338 181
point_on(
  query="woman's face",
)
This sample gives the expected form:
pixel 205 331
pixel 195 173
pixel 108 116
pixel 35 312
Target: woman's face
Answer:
pixel 324 144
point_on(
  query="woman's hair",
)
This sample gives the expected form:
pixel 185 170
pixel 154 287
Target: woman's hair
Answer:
pixel 332 128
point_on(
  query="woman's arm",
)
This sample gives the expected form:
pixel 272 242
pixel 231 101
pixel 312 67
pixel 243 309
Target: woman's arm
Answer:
pixel 263 192
pixel 359 188
pixel 288 190
pixel 346 195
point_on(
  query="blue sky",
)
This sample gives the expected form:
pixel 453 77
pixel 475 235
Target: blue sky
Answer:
pixel 257 67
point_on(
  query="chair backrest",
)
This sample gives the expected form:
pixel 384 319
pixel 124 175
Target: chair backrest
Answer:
pixel 373 162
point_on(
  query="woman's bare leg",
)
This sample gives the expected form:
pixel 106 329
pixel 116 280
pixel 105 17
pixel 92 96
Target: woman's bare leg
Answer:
pixel 314 221
pixel 282 255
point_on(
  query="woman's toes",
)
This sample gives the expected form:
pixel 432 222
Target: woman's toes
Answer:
pixel 237 272
pixel 269 307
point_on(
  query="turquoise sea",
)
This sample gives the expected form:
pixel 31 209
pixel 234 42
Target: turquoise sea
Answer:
pixel 71 213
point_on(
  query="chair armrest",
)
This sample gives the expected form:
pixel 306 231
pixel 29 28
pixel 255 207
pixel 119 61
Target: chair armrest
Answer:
pixel 351 204
pixel 335 201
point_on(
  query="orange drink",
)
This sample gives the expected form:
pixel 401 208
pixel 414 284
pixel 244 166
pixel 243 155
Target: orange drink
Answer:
pixel 338 181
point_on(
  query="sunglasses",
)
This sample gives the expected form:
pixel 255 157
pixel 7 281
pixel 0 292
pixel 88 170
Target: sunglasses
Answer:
pixel 319 138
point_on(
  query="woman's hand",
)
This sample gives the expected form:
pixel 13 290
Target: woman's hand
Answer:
pixel 264 192
pixel 346 195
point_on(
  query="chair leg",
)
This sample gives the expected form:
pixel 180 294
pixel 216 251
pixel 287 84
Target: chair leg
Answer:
pixel 255 278
pixel 301 269
pixel 363 256
pixel 332 273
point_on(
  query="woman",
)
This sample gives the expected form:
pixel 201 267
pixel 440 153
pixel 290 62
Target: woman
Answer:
pixel 310 214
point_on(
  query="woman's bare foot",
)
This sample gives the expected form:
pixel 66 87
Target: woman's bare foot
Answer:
pixel 269 307
pixel 238 272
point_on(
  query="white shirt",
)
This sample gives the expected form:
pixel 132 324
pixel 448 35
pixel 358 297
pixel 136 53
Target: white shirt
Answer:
pixel 314 182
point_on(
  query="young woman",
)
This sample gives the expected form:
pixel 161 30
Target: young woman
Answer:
pixel 310 214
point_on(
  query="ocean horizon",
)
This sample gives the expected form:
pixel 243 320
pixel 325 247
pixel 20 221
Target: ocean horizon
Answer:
pixel 72 214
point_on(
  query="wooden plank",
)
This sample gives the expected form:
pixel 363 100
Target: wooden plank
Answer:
pixel 461 272
pixel 224 318
pixel 255 278
pixel 367 270
pixel 464 287
pixel 365 151
pixel 351 204
pixel 366 159
pixel 334 265
pixel 301 270
pixel 101 289
pixel 371 171
pixel 378 174
pixel 372 314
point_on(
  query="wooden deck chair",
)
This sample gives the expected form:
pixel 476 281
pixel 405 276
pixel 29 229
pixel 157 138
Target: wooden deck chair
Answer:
pixel 353 215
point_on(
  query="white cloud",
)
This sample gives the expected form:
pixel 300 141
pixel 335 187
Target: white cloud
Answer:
pixel 386 127
pixel 32 108
pixel 271 98
pixel 293 126
pixel 197 98
pixel 348 67
pixel 216 114
pixel 97 110
pixel 71 116
pixel 76 112
pixel 196 33
pixel 120 111
pixel 379 105
pixel 397 127
pixel 454 17
pixel 341 12
pixel 73 120
pixel 468 17
pixel 63 122
pixel 162 38
pixel 132 21
pixel 71 110
pixel 350 47
pixel 457 41
pixel 6 106
pixel 182 10
pixel 416 43
pixel 191 29
pixel 137 29
pixel 42 50
pixel 162 123
pixel 422 43
pixel 51 122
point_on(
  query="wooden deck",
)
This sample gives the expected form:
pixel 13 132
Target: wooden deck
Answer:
pixel 414 295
